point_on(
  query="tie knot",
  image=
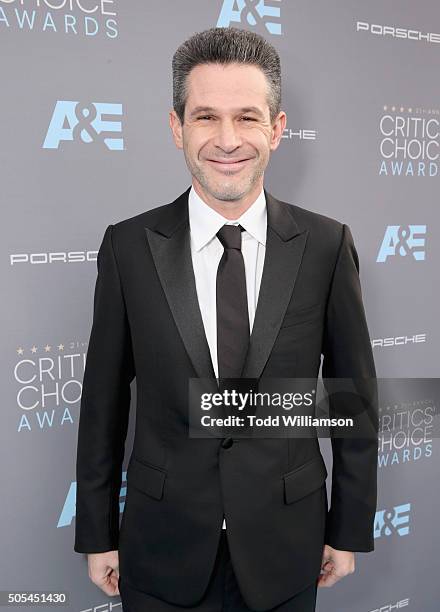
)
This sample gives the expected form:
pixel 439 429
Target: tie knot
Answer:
pixel 230 236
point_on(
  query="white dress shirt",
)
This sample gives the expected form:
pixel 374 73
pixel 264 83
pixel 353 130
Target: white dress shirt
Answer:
pixel 207 250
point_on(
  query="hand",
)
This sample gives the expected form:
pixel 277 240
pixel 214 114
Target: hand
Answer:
pixel 335 565
pixel 104 571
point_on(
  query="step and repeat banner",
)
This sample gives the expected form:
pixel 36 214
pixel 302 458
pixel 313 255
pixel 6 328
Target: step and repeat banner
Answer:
pixel 86 91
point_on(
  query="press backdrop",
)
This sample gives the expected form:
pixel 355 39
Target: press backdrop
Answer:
pixel 85 142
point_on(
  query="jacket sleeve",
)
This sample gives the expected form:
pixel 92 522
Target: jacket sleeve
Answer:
pixel 104 411
pixel 348 355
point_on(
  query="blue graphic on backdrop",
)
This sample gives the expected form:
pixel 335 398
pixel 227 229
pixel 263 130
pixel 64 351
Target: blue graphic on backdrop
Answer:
pixel 96 122
pixel 392 522
pixel 251 12
pixel 68 511
pixel 403 240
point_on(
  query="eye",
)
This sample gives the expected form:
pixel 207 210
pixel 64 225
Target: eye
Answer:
pixel 248 118
pixel 205 117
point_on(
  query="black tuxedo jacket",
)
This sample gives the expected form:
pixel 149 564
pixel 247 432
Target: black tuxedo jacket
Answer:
pixel 147 324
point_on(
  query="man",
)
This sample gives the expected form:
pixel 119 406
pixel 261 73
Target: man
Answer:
pixel 226 281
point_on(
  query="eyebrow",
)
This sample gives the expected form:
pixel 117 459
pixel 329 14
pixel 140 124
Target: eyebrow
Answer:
pixel 210 109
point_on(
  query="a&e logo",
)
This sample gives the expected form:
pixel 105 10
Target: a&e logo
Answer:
pixel 403 240
pixel 251 12
pixel 68 511
pixel 392 522
pixel 97 122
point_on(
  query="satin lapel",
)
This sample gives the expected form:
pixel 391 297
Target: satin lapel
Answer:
pixel 169 241
pixel 285 245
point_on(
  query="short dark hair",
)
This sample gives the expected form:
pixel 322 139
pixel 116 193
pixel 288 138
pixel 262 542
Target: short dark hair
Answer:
pixel 226 46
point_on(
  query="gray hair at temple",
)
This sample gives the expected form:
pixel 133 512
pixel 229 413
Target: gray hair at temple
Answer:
pixel 225 46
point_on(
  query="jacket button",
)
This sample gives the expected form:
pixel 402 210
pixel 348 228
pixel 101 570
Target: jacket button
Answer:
pixel 227 443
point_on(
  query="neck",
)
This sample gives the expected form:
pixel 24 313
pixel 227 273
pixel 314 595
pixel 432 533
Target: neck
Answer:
pixel 230 209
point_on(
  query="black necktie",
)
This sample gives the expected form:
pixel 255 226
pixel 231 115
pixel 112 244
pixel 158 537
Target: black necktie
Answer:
pixel 232 306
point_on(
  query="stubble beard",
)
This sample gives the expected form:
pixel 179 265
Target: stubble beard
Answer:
pixel 229 191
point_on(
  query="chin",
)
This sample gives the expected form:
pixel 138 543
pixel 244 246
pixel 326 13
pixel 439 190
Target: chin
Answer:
pixel 228 194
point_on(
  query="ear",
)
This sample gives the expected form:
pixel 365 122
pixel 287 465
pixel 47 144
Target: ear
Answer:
pixel 277 130
pixel 176 129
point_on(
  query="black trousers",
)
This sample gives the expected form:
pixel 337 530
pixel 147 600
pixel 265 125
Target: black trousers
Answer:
pixel 222 594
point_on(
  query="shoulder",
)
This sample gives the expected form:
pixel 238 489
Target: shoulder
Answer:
pixel 323 230
pixel 147 218
pixel 126 232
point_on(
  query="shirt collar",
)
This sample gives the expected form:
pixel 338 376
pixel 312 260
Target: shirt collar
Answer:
pixel 205 222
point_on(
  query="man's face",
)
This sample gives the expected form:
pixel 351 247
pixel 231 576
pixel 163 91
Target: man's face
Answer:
pixel 227 135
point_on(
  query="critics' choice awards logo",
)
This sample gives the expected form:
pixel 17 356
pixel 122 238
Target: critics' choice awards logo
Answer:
pixel 403 240
pixel 408 142
pixel 68 511
pixel 97 122
pixel 261 13
pixel 71 17
pixel 394 521
pixel 49 385
pixel 406 432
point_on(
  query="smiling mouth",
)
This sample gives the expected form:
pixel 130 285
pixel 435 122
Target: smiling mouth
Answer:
pixel 229 164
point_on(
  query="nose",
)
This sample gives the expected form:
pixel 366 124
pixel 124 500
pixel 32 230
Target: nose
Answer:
pixel 227 136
